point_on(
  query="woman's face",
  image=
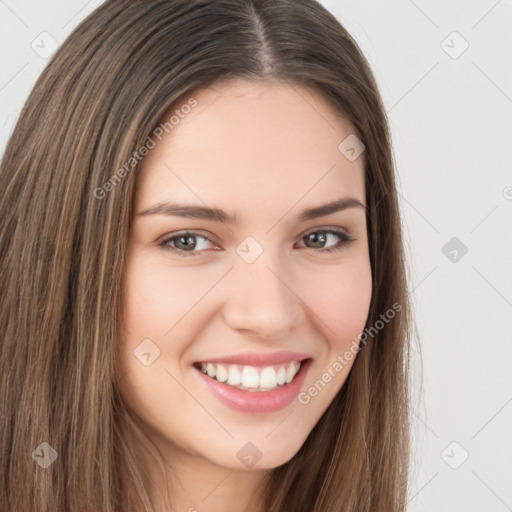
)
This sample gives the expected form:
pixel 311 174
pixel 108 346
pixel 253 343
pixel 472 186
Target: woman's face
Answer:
pixel 262 282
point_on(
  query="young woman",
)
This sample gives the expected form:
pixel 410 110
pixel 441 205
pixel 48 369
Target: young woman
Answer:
pixel 204 302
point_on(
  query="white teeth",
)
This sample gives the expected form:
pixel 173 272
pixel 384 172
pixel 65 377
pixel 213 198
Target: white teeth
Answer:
pixel 292 371
pixel 250 377
pixel 235 379
pixel 268 378
pixel 281 376
pixel 210 369
pixel 221 374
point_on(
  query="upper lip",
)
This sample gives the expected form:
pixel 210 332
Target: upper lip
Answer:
pixel 255 359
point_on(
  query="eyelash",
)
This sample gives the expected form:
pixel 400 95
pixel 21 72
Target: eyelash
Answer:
pixel 345 240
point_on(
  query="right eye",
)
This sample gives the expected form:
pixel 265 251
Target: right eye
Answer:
pixel 184 243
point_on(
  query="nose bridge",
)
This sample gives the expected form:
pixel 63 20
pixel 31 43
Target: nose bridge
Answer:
pixel 261 296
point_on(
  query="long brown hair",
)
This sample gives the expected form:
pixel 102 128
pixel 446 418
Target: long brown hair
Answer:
pixel 64 234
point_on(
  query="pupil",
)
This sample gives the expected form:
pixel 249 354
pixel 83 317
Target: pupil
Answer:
pixel 185 244
pixel 317 239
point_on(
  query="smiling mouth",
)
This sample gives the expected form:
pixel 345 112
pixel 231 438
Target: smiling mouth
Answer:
pixel 251 378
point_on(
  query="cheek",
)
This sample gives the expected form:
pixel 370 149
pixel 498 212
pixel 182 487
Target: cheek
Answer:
pixel 340 300
pixel 158 302
pixel 156 298
pixel 153 302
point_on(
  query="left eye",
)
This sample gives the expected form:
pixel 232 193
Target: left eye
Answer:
pixel 186 244
pixel 321 236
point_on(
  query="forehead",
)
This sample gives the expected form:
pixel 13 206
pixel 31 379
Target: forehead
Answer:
pixel 251 145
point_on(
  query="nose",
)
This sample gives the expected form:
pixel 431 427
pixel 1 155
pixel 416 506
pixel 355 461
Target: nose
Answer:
pixel 261 299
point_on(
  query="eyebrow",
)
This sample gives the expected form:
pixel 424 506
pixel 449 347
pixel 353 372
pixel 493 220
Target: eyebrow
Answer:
pixel 219 215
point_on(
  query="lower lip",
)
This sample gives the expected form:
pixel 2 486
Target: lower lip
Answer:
pixel 257 401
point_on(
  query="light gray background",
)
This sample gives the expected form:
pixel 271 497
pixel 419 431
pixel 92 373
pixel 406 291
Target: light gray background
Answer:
pixel 452 131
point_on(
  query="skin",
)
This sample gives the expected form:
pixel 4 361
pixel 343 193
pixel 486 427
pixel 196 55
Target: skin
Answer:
pixel 263 151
